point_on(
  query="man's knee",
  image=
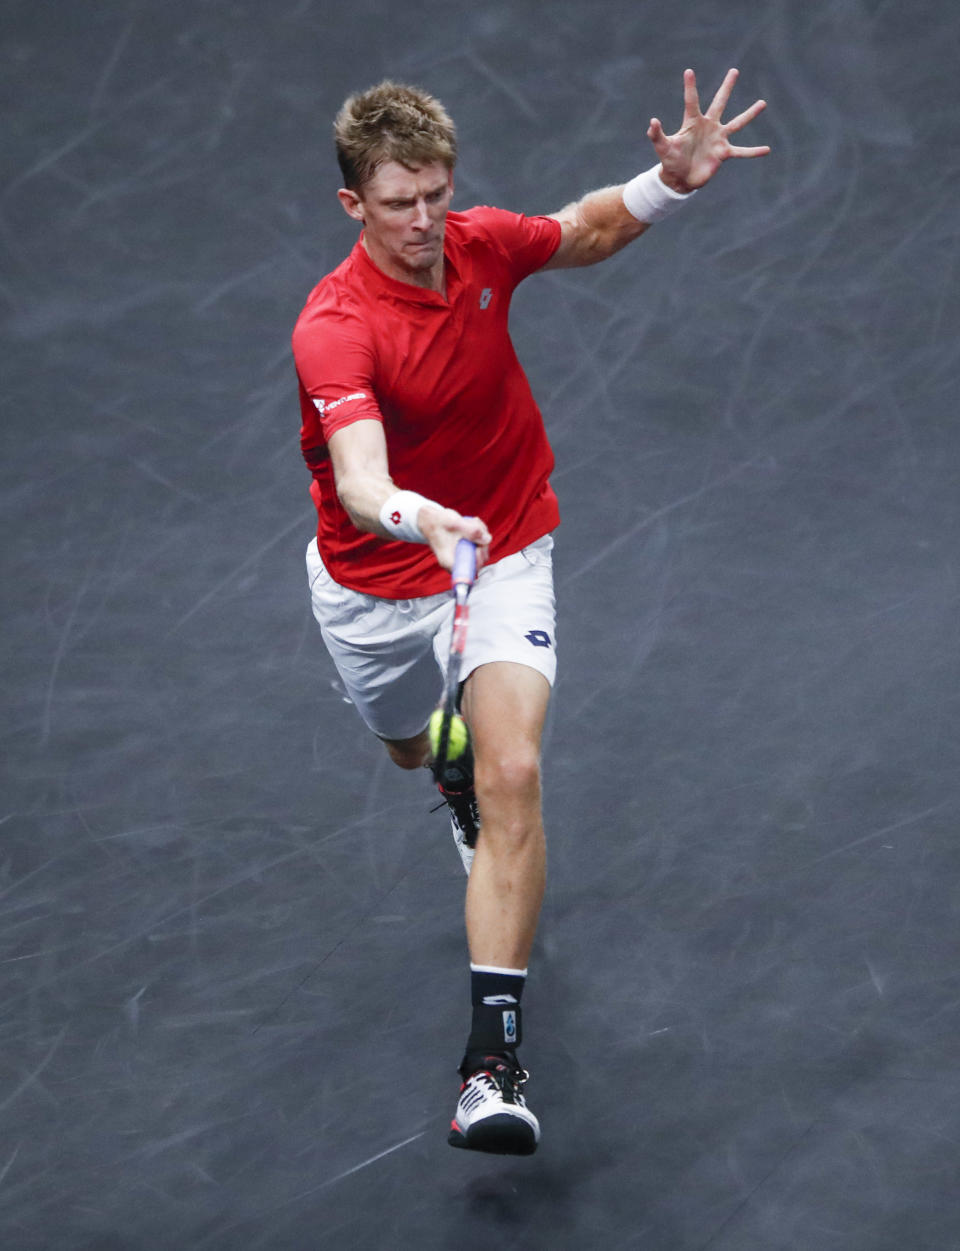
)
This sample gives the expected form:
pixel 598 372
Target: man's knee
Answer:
pixel 409 753
pixel 509 779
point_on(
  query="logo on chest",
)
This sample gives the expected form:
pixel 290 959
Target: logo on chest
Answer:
pixel 486 295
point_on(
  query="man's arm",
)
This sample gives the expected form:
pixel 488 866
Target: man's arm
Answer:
pixel 362 476
pixel 601 224
pixel 594 228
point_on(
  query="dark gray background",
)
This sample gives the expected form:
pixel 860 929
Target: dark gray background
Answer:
pixel 233 972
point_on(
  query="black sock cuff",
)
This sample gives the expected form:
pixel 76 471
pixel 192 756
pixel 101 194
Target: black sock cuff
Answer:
pixel 486 985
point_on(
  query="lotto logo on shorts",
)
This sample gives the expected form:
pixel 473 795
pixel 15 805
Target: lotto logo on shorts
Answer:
pixel 395 518
pixel 539 638
pixel 509 1027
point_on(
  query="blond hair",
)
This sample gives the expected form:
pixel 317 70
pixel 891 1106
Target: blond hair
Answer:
pixel 392 122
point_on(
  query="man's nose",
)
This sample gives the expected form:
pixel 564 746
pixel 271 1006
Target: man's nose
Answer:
pixel 422 217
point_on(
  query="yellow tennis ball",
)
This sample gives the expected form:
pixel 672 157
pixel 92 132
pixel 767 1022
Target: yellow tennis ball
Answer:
pixel 459 739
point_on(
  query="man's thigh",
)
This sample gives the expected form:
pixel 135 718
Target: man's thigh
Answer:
pixel 506 706
pixel 512 615
pixel 391 654
pixel 383 651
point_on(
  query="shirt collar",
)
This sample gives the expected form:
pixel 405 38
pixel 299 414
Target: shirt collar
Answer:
pixel 408 291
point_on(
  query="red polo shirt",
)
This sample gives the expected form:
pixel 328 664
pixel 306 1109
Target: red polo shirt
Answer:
pixel 441 374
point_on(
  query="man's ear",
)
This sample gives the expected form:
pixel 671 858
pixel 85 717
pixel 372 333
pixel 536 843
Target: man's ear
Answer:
pixel 352 204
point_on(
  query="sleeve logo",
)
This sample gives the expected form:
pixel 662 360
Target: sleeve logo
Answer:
pixel 325 409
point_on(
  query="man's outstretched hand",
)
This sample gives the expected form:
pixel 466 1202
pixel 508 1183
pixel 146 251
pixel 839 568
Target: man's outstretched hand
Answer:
pixel 693 155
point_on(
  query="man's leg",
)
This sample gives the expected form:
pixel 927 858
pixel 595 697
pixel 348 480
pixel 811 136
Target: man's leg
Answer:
pixel 409 753
pixel 385 657
pixel 505 705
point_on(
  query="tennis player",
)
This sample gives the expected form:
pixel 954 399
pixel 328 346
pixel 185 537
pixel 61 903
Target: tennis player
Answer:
pixel 419 428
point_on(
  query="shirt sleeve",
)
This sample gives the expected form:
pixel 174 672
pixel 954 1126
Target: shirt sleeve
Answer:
pixel 334 361
pixel 527 243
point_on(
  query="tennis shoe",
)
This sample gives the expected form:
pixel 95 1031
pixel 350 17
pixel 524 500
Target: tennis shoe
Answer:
pixel 464 823
pixel 492 1114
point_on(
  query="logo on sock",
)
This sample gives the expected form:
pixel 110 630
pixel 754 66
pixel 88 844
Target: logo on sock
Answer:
pixel 510 1028
pixel 497 1001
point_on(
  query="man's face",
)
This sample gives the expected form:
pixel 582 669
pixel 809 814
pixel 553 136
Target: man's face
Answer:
pixel 404 212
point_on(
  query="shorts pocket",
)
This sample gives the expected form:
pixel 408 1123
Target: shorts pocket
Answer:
pixel 539 553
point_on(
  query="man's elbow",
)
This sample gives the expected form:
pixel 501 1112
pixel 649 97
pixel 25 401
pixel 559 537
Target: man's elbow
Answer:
pixel 604 243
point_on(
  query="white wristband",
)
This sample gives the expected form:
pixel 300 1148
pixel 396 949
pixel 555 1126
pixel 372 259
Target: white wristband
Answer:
pixel 398 516
pixel 649 199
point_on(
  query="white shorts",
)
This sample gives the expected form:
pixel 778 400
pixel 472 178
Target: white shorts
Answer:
pixel 392 654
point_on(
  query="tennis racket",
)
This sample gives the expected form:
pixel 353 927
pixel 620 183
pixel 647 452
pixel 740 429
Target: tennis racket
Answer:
pixel 462 578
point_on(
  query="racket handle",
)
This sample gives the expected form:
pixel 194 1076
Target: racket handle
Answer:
pixel 464 564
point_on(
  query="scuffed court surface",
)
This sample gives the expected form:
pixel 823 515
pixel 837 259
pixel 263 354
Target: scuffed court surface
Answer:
pixel 224 919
